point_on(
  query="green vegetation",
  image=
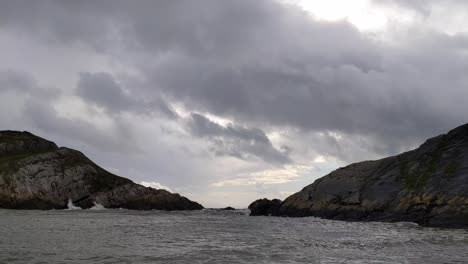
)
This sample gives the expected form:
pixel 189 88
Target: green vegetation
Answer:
pixel 452 167
pixel 9 163
pixel 74 159
pixel 404 169
pixel 103 181
pixel 13 136
pixel 417 179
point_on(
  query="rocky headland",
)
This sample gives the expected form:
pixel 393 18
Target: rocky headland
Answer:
pixel 428 186
pixel 36 174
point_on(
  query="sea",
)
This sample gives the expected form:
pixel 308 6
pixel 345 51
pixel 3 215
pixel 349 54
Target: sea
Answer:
pixel 215 236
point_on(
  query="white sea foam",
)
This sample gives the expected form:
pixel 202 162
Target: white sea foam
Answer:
pixel 97 206
pixel 71 206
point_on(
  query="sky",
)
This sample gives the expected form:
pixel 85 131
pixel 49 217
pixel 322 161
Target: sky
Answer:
pixel 229 101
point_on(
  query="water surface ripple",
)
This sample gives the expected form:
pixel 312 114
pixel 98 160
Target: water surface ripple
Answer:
pixel 209 236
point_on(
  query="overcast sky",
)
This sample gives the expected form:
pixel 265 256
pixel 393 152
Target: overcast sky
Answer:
pixel 228 101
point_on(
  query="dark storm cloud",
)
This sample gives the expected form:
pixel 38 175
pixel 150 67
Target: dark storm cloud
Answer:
pixel 261 63
pixel 237 141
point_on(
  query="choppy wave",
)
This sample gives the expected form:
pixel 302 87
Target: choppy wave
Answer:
pixel 216 236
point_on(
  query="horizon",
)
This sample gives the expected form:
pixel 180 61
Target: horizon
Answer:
pixel 226 102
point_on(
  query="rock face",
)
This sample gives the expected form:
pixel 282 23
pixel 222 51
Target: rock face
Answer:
pixel 36 174
pixel 428 186
pixel 265 207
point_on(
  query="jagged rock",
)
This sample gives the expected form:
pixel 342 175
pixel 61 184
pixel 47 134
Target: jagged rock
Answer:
pixel 265 207
pixel 36 174
pixel 428 186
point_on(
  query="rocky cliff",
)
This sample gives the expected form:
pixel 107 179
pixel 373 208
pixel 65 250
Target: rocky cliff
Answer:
pixel 36 174
pixel 428 186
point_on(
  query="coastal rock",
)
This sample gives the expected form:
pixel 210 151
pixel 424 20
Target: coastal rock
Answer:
pixel 265 207
pixel 36 174
pixel 229 208
pixel 428 186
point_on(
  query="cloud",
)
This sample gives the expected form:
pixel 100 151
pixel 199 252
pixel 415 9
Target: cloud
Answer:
pixel 111 137
pixel 276 65
pixel 423 7
pixel 102 89
pixel 36 107
pixel 12 80
pixel 24 84
pixel 156 185
pixel 237 141
pixel 273 176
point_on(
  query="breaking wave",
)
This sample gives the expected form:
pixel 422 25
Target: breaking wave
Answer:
pixel 97 206
pixel 71 206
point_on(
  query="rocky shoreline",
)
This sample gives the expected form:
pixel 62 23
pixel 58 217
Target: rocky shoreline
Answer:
pixel 36 174
pixel 428 186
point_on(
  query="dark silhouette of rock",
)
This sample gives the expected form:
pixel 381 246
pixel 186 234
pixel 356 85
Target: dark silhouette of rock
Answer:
pixel 36 174
pixel 229 208
pixel 265 207
pixel 428 185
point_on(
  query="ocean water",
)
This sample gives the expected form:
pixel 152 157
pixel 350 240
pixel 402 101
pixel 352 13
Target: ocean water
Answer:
pixel 210 236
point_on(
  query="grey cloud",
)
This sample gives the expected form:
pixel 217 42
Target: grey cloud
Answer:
pixel 46 119
pixel 237 141
pixel 24 84
pixel 263 64
pixel 102 89
pixel 12 80
pixel 58 21
pixel 38 113
pixel 422 6
pixel 208 29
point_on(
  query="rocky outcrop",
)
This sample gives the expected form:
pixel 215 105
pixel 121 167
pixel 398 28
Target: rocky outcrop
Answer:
pixel 428 186
pixel 36 174
pixel 265 207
